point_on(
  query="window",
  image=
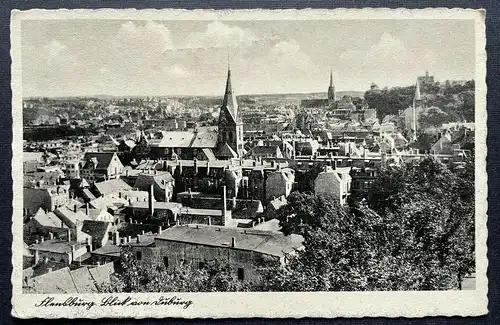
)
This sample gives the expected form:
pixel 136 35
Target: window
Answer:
pixel 165 261
pixel 241 274
pixel 138 255
pixel 201 265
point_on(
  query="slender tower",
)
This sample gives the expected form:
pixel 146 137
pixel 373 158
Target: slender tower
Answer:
pixel 331 90
pixel 230 123
pixel 416 101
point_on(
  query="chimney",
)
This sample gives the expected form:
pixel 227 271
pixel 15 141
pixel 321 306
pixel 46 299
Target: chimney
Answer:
pixel 46 260
pixel 42 239
pixel 209 221
pixel 87 209
pixel 126 172
pixel 51 235
pixel 224 206
pixel 49 269
pixel 195 164
pixel 167 194
pixel 233 242
pixel 89 244
pixel 69 234
pixel 129 239
pixel 178 222
pixel 143 232
pixel 151 200
pixel 159 230
pixel 180 166
pixel 138 239
pixel 116 238
pixel 208 167
pixel 37 257
pixel 234 202
pixel 36 241
pixel 75 208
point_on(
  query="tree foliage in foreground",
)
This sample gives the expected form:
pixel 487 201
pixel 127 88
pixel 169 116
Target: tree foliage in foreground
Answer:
pixel 134 276
pixel 416 232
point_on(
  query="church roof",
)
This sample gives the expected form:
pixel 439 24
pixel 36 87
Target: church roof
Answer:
pixel 227 151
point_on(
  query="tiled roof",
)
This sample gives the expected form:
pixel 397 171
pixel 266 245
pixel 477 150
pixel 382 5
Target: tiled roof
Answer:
pixel 205 139
pixel 55 246
pixel 103 158
pixel 226 151
pixel 96 229
pixel 174 139
pixel 264 150
pixel 112 186
pixel 59 281
pixel 101 273
pixel 266 242
pixel 47 219
pixel 83 280
pixel 64 213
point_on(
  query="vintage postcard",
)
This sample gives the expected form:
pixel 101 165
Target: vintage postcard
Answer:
pixel 259 163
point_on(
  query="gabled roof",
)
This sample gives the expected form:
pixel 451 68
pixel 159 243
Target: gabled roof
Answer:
pixel 96 229
pixel 174 139
pixel 103 159
pixel 65 214
pixel 144 180
pixel 227 152
pixel 47 219
pixel 205 138
pixel 112 186
pixel 209 153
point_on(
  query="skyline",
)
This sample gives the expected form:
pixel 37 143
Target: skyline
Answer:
pixel 67 58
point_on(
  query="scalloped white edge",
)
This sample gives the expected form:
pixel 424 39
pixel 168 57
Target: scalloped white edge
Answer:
pixel 297 305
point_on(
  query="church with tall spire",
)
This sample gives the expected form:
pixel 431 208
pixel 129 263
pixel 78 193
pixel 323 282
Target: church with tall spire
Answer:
pixel 230 126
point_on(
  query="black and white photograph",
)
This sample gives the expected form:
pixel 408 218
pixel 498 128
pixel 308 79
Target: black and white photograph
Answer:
pixel 275 154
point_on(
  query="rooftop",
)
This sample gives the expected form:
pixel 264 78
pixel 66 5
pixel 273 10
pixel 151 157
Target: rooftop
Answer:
pixel 266 242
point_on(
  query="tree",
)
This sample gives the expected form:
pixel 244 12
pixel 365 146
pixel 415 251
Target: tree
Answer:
pixel 141 150
pixel 435 208
pixel 415 232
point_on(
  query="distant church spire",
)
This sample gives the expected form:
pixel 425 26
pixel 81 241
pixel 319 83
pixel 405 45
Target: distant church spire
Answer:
pixel 331 90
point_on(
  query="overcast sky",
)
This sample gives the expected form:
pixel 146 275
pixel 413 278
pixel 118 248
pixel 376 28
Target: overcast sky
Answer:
pixel 115 57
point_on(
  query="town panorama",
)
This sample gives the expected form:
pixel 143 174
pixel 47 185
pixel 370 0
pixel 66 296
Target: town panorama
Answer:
pixel 333 191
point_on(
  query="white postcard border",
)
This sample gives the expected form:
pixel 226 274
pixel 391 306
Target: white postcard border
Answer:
pixel 276 304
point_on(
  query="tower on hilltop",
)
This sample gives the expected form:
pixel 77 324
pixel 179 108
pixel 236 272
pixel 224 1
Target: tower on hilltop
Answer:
pixel 230 131
pixel 331 90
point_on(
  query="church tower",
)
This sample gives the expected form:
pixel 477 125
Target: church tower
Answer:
pixel 331 91
pixel 230 133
